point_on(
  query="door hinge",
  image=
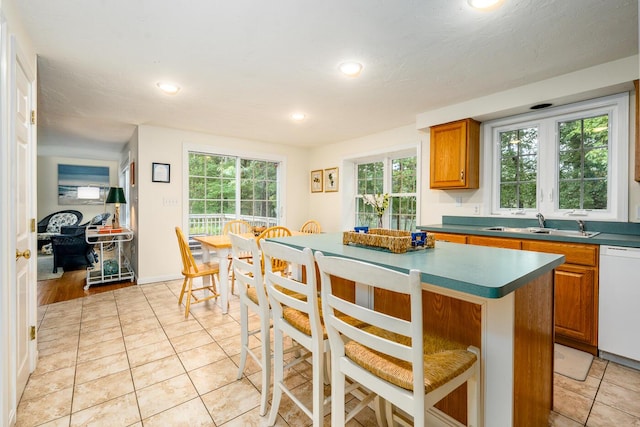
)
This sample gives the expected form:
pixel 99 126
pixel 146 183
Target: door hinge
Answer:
pixel 33 117
pixel 33 225
pixel 33 333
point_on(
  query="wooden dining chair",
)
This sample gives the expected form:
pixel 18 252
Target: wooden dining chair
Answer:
pixel 276 231
pixel 192 270
pixel 312 227
pixel 390 356
pixel 236 226
pixel 296 313
pixel 248 273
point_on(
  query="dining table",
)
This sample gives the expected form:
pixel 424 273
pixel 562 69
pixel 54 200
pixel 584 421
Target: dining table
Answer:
pixel 221 244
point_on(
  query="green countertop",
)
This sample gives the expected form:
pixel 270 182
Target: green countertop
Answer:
pixel 481 271
pixel 611 233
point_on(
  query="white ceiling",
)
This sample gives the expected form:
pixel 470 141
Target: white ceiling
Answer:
pixel 245 65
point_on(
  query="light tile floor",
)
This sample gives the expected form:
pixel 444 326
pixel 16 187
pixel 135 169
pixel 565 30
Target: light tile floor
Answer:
pixel 610 396
pixel 129 358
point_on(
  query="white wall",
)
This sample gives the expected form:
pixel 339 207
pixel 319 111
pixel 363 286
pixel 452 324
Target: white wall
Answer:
pixel 161 206
pixel 330 208
pixel 48 186
pixel 605 79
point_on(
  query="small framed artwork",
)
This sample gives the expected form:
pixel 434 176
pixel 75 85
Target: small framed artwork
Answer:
pixel 331 180
pixel 132 174
pixel 161 172
pixel 316 181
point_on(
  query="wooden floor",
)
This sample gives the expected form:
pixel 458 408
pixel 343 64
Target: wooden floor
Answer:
pixel 71 286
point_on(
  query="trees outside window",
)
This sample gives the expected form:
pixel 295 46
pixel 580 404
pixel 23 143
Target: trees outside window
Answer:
pixel 567 161
pixel 395 176
pixel 222 188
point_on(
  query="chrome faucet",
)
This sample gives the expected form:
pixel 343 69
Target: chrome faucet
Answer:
pixel 581 226
pixel 540 219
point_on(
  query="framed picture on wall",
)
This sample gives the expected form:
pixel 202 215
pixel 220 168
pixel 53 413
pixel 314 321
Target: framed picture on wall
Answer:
pixel 331 180
pixel 82 185
pixel 316 181
pixel 161 172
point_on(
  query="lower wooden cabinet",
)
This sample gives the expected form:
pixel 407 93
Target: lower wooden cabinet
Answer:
pixel 576 293
pixel 496 242
pixel 576 308
pixel 449 237
pixel 576 285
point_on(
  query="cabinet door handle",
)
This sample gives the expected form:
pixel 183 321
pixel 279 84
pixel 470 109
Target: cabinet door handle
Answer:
pixel 462 175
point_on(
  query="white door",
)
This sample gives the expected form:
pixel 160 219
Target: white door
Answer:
pixel 22 139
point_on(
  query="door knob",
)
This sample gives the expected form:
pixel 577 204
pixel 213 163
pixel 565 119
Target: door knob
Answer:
pixel 26 254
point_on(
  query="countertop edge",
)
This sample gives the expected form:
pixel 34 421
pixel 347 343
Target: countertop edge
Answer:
pixel 547 262
pixel 625 240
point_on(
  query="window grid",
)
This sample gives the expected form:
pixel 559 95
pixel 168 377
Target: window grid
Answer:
pixel 401 176
pixel 582 160
pixel 583 156
pixel 223 187
pixel 518 168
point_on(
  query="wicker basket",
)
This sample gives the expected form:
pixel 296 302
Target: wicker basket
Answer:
pixel 397 241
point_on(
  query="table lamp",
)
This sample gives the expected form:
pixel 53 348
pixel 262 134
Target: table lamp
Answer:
pixel 116 195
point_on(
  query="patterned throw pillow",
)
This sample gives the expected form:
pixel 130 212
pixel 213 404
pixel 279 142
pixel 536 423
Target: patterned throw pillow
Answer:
pixel 59 220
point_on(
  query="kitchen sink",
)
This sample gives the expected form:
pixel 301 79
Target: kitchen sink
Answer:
pixel 573 233
pixel 541 230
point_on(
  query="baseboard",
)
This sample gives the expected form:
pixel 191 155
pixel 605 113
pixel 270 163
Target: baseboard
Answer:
pixel 621 360
pixel 147 280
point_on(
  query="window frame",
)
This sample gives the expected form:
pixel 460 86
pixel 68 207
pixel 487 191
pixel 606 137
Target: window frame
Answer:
pixel 239 155
pixel 387 161
pixel 617 106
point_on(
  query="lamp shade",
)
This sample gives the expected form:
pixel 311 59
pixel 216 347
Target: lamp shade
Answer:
pixel 116 195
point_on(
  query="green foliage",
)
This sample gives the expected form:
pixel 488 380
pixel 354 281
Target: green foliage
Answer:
pixel 213 180
pixel 583 156
pixel 583 163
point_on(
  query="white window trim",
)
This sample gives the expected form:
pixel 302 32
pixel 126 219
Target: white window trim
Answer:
pixel 546 121
pixel 282 175
pixel 350 165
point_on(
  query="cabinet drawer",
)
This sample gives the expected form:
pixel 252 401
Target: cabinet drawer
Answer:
pixel 453 238
pixel 574 253
pixel 496 242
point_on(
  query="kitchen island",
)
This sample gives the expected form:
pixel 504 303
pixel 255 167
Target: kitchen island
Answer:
pixel 499 300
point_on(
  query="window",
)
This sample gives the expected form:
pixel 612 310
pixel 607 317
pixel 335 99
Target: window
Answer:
pixel 393 175
pixel 566 161
pixel 222 188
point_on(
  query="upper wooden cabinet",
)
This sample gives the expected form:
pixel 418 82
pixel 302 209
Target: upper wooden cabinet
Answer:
pixel 455 155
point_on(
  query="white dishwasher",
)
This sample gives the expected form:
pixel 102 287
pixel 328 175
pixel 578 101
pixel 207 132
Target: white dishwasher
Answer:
pixel 619 305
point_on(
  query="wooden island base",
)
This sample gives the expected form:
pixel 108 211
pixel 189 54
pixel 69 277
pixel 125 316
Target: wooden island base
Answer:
pixel 515 335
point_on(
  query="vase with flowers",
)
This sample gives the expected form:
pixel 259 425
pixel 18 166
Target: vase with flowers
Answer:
pixel 379 202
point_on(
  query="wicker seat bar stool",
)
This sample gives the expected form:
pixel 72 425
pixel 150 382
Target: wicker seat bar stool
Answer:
pixel 391 357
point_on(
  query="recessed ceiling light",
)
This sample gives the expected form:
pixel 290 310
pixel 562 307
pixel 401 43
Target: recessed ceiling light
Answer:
pixel 484 4
pixel 351 69
pixel 168 88
pixel 298 116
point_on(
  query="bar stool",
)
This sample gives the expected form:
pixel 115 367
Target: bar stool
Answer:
pixel 248 273
pixel 391 357
pixel 295 311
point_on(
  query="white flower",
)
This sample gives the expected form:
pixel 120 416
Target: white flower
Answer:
pixel 379 202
